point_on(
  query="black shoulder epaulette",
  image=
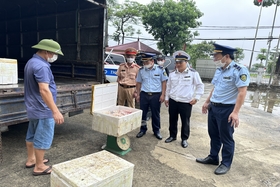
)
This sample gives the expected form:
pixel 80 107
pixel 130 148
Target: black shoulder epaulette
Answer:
pixel 191 69
pixel 160 67
pixel 237 67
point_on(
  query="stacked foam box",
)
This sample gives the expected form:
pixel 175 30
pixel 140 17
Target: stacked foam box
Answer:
pixel 104 99
pixel 101 169
pixel 8 71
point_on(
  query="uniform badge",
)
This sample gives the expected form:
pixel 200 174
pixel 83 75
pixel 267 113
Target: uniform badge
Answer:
pixel 164 73
pixel 243 77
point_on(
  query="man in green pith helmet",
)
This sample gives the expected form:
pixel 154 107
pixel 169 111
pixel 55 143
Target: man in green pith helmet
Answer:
pixel 40 98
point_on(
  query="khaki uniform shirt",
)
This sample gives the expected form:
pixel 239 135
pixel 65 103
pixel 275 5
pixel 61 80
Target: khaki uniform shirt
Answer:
pixel 127 74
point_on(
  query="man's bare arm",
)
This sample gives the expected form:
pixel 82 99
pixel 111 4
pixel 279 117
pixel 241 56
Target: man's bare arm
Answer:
pixel 48 99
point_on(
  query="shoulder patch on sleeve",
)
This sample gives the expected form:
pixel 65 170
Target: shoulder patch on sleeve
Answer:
pixel 243 77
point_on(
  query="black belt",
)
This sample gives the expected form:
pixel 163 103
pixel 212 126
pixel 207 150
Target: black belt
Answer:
pixel 126 86
pixel 221 104
pixel 151 93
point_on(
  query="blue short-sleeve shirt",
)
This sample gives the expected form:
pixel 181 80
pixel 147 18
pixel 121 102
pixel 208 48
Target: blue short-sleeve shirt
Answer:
pixel 151 79
pixel 227 81
pixel 37 70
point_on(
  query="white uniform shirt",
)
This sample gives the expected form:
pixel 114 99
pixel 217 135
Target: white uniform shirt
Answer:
pixel 183 87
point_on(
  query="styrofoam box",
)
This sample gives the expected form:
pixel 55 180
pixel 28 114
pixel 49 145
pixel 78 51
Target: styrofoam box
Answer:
pixel 95 170
pixel 8 71
pixel 104 98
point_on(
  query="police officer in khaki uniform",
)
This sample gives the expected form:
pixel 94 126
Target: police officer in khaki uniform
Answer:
pixel 127 74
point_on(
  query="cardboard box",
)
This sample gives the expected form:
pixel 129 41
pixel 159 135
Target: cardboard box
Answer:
pixel 8 71
pixel 99 169
pixel 105 112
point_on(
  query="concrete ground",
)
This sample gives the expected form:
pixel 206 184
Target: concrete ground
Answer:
pixel 157 164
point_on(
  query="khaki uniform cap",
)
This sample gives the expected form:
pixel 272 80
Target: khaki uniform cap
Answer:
pixel 130 51
pixel 49 45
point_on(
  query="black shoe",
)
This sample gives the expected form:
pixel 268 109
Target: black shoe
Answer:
pixel 207 160
pixel 170 139
pixel 140 134
pixel 158 136
pixel 184 143
pixel 221 169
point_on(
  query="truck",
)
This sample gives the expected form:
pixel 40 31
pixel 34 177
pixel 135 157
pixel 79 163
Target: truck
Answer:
pixel 78 26
pixel 206 68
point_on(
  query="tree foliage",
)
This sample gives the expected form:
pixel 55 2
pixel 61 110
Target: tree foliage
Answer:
pixel 239 55
pixel 110 9
pixel 266 3
pixel 123 17
pixel 262 55
pixel 256 66
pixel 201 50
pixel 169 22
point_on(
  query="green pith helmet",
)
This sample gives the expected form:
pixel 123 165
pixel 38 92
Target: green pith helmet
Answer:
pixel 49 45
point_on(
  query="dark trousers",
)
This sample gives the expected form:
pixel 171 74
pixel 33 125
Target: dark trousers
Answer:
pixel 184 109
pixel 221 133
pixel 153 102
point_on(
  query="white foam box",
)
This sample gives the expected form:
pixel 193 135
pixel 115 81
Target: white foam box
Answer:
pixel 8 71
pixel 103 109
pixel 95 170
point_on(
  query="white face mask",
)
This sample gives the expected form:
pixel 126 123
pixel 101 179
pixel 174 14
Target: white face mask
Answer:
pixel 160 63
pixel 148 66
pixel 54 58
pixel 130 60
pixel 219 63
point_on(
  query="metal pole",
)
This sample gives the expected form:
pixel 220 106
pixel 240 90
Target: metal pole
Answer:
pixel 273 66
pixel 270 37
pixel 252 54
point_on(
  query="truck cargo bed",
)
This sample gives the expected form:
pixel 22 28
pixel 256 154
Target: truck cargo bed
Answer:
pixel 72 96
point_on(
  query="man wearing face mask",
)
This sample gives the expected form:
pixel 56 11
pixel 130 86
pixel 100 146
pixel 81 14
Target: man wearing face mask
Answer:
pixel 161 61
pixel 127 73
pixel 150 90
pixel 184 89
pixel 40 98
pixel 223 104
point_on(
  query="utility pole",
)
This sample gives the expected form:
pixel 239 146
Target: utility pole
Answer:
pixel 252 54
pixel 271 33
